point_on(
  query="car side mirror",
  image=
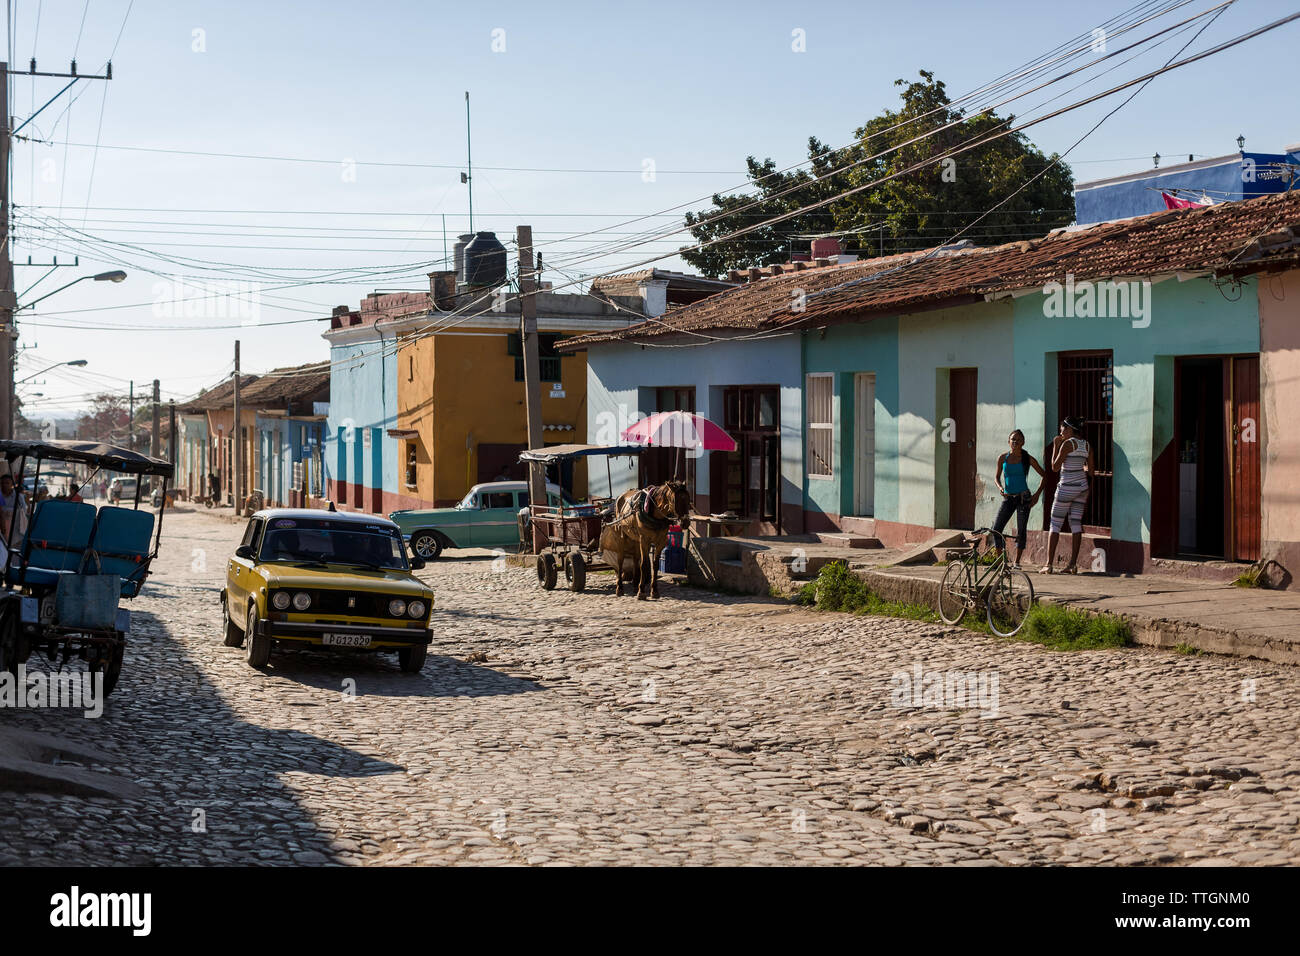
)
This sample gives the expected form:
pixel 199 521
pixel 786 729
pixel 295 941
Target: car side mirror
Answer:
pixel 245 551
pixel 417 564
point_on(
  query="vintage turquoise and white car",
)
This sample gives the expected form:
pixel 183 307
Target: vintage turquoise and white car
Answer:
pixel 487 517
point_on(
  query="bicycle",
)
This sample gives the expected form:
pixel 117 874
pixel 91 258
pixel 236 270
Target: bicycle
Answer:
pixel 1007 595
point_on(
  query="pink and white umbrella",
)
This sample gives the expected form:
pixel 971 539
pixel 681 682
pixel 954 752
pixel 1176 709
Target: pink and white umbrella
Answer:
pixel 679 430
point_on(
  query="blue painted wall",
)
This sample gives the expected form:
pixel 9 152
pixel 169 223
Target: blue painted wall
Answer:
pixel 363 395
pixel 621 378
pixel 1232 179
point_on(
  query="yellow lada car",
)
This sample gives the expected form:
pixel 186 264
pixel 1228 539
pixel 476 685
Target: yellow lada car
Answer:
pixel 319 579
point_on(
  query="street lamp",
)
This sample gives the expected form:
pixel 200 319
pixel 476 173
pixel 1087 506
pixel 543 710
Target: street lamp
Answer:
pixel 1241 143
pixel 78 362
pixel 117 275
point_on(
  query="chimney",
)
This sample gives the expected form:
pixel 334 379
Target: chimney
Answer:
pixel 825 248
pixel 654 296
pixel 442 286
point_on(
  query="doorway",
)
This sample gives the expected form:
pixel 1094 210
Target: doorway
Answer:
pixel 1216 434
pixel 962 393
pixel 864 444
pixel 747 481
pixel 1202 463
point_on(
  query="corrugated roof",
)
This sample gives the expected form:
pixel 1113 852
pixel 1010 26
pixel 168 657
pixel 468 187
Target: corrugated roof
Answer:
pixel 1226 238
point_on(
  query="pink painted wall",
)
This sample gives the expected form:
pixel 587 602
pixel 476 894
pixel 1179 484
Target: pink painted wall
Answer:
pixel 1279 369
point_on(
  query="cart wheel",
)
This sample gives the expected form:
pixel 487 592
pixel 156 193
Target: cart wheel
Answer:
pixel 112 668
pixel 427 545
pixel 575 571
pixel 411 659
pixel 10 655
pixel 258 651
pixel 546 572
pixel 234 636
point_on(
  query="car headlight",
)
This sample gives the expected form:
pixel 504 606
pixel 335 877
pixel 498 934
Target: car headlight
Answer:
pixel 397 607
pixel 301 601
pixel 415 609
pixel 280 601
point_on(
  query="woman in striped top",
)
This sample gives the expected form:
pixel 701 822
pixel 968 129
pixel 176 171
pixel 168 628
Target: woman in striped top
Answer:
pixel 1072 457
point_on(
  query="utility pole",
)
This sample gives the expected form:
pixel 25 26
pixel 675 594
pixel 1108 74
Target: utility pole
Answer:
pixel 173 442
pixel 130 417
pixel 238 439
pixel 8 294
pixel 532 371
pixel 155 440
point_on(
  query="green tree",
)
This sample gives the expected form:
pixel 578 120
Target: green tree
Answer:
pixel 917 209
pixel 106 421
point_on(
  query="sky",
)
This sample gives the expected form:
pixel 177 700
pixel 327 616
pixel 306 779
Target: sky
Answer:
pixel 268 161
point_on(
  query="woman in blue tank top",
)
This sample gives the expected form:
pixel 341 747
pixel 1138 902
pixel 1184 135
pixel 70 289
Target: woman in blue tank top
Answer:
pixel 1013 481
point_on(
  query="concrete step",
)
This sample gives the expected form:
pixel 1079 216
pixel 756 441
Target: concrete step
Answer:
pixel 923 552
pixel 851 524
pixel 842 539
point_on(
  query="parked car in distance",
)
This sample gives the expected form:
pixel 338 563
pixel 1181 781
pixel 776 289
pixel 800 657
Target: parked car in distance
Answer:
pixel 120 488
pixel 317 579
pixel 487 517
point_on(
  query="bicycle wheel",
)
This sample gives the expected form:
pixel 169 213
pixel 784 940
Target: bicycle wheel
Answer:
pixel 952 593
pixel 1009 601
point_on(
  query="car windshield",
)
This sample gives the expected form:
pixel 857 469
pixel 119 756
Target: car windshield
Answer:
pixel 294 541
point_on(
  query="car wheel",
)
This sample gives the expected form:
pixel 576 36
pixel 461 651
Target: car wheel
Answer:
pixel 411 659
pixel 258 650
pixel 234 637
pixel 427 545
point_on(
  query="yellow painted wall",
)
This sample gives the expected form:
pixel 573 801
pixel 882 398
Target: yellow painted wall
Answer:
pixel 462 383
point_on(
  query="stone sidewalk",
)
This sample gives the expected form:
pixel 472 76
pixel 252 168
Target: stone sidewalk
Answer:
pixel 1163 612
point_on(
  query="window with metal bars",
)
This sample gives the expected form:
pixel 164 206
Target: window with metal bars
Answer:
pixel 1085 386
pixel 820 432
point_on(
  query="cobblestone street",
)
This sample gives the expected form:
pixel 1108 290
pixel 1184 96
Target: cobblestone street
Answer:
pixel 699 728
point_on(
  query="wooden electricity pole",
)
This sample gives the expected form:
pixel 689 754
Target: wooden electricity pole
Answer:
pixel 532 370
pixel 8 294
pixel 155 439
pixel 238 484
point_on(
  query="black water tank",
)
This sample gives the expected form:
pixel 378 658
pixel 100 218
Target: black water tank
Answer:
pixel 458 255
pixel 485 261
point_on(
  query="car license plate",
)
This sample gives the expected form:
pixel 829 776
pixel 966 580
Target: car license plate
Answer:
pixel 347 640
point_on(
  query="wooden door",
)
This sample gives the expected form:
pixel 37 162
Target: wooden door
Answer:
pixel 864 444
pixel 961 452
pixel 1245 470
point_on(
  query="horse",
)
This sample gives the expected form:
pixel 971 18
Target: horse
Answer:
pixel 639 531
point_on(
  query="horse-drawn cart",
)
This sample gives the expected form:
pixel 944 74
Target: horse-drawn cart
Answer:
pixel 623 535
pixel 566 538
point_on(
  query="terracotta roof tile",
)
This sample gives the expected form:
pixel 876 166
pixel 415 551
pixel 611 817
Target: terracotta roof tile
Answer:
pixel 1238 237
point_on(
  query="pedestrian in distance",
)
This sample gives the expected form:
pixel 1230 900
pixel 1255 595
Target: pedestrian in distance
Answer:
pixel 1013 481
pixel 1072 457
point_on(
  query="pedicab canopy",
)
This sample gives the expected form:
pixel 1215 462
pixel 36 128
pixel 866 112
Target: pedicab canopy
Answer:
pixel 553 453
pixel 96 454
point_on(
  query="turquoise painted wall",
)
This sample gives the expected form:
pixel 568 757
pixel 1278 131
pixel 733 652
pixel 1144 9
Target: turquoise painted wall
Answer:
pixel 929 345
pixel 1185 318
pixel 846 350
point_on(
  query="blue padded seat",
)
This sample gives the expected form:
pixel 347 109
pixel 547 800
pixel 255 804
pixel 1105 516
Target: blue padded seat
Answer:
pixel 121 539
pixel 56 541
